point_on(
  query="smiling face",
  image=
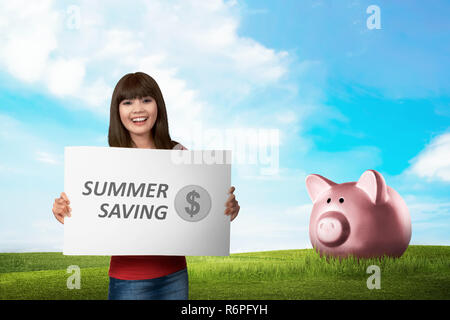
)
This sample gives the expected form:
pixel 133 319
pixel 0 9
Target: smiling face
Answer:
pixel 138 115
pixel 137 95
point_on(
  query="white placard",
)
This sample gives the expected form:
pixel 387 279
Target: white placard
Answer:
pixel 130 201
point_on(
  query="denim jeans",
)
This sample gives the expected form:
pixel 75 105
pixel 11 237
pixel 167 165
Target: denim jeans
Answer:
pixel 171 287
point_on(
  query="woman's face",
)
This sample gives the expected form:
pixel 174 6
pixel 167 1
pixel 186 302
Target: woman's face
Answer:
pixel 138 115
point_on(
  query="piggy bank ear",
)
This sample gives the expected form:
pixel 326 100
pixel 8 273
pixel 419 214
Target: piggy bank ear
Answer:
pixel 316 184
pixel 372 183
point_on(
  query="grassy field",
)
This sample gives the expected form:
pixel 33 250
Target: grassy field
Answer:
pixel 423 272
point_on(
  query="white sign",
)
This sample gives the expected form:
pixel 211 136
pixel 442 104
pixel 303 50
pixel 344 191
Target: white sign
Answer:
pixel 129 201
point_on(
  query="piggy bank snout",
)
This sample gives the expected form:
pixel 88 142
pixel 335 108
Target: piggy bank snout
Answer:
pixel 332 228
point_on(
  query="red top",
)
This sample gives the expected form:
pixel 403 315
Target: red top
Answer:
pixel 145 267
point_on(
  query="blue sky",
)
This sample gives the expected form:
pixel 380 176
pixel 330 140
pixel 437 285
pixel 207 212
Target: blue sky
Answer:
pixel 344 99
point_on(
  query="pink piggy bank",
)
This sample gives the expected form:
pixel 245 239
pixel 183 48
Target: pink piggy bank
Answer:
pixel 364 219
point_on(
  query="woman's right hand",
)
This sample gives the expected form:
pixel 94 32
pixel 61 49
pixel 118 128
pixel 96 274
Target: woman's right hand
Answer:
pixel 61 208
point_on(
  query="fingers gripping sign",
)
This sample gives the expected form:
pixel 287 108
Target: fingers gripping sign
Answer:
pixel 232 205
pixel 61 208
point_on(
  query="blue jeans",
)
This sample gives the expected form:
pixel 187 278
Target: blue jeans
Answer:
pixel 171 287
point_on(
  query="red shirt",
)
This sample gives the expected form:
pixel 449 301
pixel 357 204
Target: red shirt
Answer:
pixel 145 267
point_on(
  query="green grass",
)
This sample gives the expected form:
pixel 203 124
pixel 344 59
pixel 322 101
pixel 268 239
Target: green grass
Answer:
pixel 423 272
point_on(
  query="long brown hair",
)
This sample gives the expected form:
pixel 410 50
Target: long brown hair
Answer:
pixel 131 86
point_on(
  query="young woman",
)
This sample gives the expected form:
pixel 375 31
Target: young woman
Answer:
pixel 138 119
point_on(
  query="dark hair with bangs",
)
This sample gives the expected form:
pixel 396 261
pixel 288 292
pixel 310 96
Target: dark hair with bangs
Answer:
pixel 131 86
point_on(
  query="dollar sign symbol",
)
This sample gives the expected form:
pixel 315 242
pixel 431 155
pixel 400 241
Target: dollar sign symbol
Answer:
pixel 192 203
pixel 195 206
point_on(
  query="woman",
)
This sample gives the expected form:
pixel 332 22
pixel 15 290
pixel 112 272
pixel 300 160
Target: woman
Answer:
pixel 138 119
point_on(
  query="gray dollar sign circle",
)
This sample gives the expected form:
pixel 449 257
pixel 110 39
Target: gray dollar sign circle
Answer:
pixel 192 203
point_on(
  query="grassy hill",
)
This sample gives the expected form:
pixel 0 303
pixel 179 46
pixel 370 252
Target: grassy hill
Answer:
pixel 423 272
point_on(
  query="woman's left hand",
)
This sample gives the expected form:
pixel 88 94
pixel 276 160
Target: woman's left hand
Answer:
pixel 232 205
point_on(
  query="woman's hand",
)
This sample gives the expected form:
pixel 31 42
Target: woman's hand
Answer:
pixel 232 205
pixel 61 208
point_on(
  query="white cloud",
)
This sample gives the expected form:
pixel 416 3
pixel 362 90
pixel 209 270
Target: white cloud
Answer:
pixel 48 158
pixel 97 95
pixel 303 210
pixel 65 76
pixel 119 44
pixel 286 117
pixel 434 161
pixel 422 212
pixel 23 148
pixel 262 229
pixel 45 234
pixel 252 55
pixel 171 41
pixel 28 36
pixel 430 218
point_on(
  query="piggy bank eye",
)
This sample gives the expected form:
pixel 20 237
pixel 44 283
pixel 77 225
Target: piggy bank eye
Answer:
pixel 341 200
pixel 329 200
